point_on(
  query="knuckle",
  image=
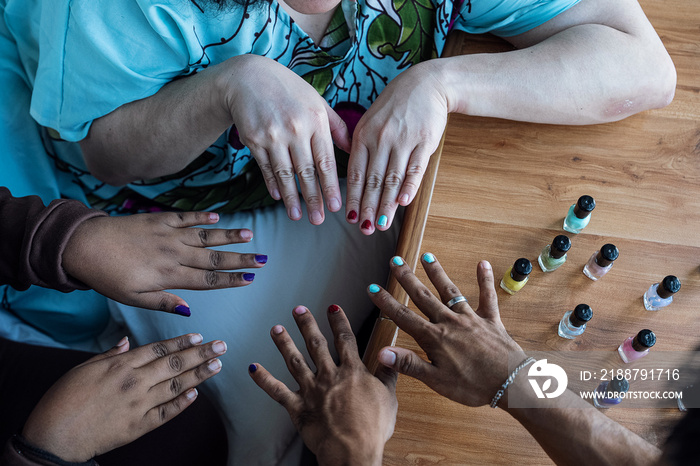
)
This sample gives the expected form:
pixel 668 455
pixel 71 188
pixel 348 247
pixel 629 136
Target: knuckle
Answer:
pixel 211 278
pixel 317 342
pixel 406 365
pixel 374 181
pixel 175 385
pixel 159 349
pixel 356 178
pixel 162 413
pixel 424 293
pixel 452 290
pixel 403 313
pixel 393 179
pixel 203 236
pixel 129 383
pixel 326 165
pixel 345 337
pixel 199 373
pixel 215 258
pixel 182 343
pixel 163 303
pixel 416 170
pixel 297 362
pixel 175 362
pixel 284 174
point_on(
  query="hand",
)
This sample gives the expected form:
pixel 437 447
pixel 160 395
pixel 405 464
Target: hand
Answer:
pixel 290 130
pixel 118 396
pixel 134 259
pixel 391 147
pixel 468 350
pixel 344 414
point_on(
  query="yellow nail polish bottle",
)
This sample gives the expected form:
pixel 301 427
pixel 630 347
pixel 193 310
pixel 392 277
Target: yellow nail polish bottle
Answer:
pixel 516 276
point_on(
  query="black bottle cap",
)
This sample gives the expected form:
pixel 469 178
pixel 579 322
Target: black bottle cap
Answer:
pixel 584 206
pixel 618 384
pixel 644 340
pixel 607 255
pixel 560 246
pixel 582 314
pixel 670 285
pixel 521 269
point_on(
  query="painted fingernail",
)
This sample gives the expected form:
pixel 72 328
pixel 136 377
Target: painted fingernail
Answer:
pixel 191 394
pixel 246 235
pixel 213 216
pixel 383 219
pixel 387 357
pixel 295 213
pixel 404 199
pixel 352 215
pixel 334 204
pixel 252 368
pixel 219 347
pixel 182 310
pixel 374 288
pixel 214 365
pixel 397 260
pixel 277 329
pixel 196 338
pixel 249 277
pixel 261 258
pixel 366 225
pixel 333 309
pixel 122 342
pixel 300 310
pixel 429 258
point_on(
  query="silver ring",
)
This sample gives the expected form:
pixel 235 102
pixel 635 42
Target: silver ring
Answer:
pixel 455 300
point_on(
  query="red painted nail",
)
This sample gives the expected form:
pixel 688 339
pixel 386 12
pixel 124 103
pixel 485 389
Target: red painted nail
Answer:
pixel 352 215
pixel 333 309
pixel 366 225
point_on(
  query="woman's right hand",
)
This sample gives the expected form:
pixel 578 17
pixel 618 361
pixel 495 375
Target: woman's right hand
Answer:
pixel 289 129
pixel 118 396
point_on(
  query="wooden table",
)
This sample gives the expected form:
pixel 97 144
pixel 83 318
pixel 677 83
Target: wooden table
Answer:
pixel 501 192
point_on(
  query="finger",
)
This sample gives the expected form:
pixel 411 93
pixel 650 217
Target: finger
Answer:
pixel 408 363
pixel 343 336
pixel 152 351
pixel 415 170
pixel 388 376
pixel 324 159
pixel 121 347
pixel 178 362
pixel 306 172
pixel 316 343
pixel 442 283
pixel 160 301
pixel 275 389
pixel 426 301
pixel 208 237
pixel 372 193
pixel 283 169
pixel 488 299
pixel 159 415
pixel 403 317
pixel 296 364
pixel 357 167
pixel 168 389
pixel 189 219
pixel 197 279
pixel 263 160
pixel 209 259
pixel 393 180
pixel 339 130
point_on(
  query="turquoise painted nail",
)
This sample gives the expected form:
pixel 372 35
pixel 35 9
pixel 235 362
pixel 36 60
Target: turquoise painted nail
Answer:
pixel 374 288
pixel 382 221
pixel 397 260
pixel 429 258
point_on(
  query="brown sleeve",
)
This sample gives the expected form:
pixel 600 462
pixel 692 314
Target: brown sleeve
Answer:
pixel 19 453
pixel 33 238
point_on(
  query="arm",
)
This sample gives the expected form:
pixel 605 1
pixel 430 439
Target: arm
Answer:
pixel 468 351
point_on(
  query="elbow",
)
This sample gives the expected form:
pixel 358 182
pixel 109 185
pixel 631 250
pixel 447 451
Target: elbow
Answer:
pixel 97 163
pixel 665 83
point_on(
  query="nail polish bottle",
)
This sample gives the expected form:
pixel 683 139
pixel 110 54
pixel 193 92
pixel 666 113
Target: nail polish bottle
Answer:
pixel 637 346
pixel 574 322
pixel 601 262
pixel 661 294
pixel 610 393
pixel 579 214
pixel 553 255
pixel 516 276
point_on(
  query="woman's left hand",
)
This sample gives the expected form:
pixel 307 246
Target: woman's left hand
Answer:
pixel 392 144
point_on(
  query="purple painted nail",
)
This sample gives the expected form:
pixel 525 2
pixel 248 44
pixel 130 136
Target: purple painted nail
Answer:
pixel 182 310
pixel 261 258
pixel 252 368
pixel 249 277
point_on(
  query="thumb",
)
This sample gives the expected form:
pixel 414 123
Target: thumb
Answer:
pixel 406 362
pixel 339 130
pixel 121 347
pixel 387 376
pixel 161 301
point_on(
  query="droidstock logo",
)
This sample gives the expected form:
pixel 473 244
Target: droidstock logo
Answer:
pixel 543 371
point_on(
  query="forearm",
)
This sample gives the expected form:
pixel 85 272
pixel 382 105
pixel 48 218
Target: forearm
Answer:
pixel 160 135
pixel 572 431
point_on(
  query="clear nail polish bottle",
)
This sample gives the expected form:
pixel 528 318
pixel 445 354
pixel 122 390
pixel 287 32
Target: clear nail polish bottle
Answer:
pixel 574 322
pixel 553 255
pixel 601 262
pixel 579 214
pixel 610 393
pixel 516 276
pixel 637 346
pixel 661 294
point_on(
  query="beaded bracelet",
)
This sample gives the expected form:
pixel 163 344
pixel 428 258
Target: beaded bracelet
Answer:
pixel 509 380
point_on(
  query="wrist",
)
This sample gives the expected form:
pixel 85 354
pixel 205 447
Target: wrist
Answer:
pixel 352 451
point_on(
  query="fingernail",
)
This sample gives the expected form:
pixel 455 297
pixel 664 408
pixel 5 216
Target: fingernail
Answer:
pixel 277 329
pixel 192 393
pixel 214 365
pixel 352 215
pixel 487 265
pixel 316 217
pixel 333 309
pixel 214 217
pixel 261 258
pixel 219 347
pixel 429 258
pixel 404 199
pixel 122 342
pixel 182 310
pixel 397 260
pixel 249 277
pixel 252 368
pixel 383 219
pixel 300 310
pixel 387 357
pixel 246 235
pixel 366 225
pixel 196 338
pixel 295 213
pixel 334 204
pixel 275 194
pixel 374 288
